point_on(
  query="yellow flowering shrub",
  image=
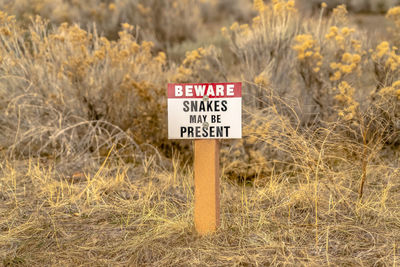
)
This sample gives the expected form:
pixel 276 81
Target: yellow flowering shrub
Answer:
pixel 345 97
pixel 328 57
pixel 163 22
pixel 386 62
pixel 393 15
pixel 308 51
pixel 264 45
pixel 339 14
pixel 67 79
pixel 385 113
pixel 349 52
pixel 201 65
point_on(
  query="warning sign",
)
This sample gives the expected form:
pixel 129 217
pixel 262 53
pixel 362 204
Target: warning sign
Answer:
pixel 205 111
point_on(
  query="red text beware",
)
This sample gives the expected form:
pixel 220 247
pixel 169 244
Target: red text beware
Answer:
pixel 199 90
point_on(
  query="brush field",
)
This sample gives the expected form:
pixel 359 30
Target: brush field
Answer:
pixel 89 178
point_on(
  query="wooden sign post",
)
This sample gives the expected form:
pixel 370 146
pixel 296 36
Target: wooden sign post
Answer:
pixel 206 184
pixel 205 112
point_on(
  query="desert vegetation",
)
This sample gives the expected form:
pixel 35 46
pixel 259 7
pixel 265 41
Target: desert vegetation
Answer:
pixel 88 176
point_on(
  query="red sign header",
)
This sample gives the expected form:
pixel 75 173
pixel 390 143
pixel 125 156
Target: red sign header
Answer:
pixel 199 90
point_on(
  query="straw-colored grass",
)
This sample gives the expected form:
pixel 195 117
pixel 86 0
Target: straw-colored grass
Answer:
pixel 141 215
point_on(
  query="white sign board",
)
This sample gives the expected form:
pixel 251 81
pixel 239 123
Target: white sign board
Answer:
pixel 205 111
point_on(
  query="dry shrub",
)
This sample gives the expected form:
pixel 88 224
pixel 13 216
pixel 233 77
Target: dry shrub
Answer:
pixel 275 142
pixel 103 13
pixel 166 22
pixel 330 59
pixel 386 61
pixel 384 104
pixel 201 65
pixel 66 90
pixel 263 49
pixel 272 143
pixel 355 6
pixel 385 114
pixel 331 71
pixel 220 10
pixel 163 22
pixel 345 78
pixel 393 15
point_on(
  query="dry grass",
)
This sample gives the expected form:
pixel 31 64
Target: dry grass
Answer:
pixel 142 215
pixel 87 176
